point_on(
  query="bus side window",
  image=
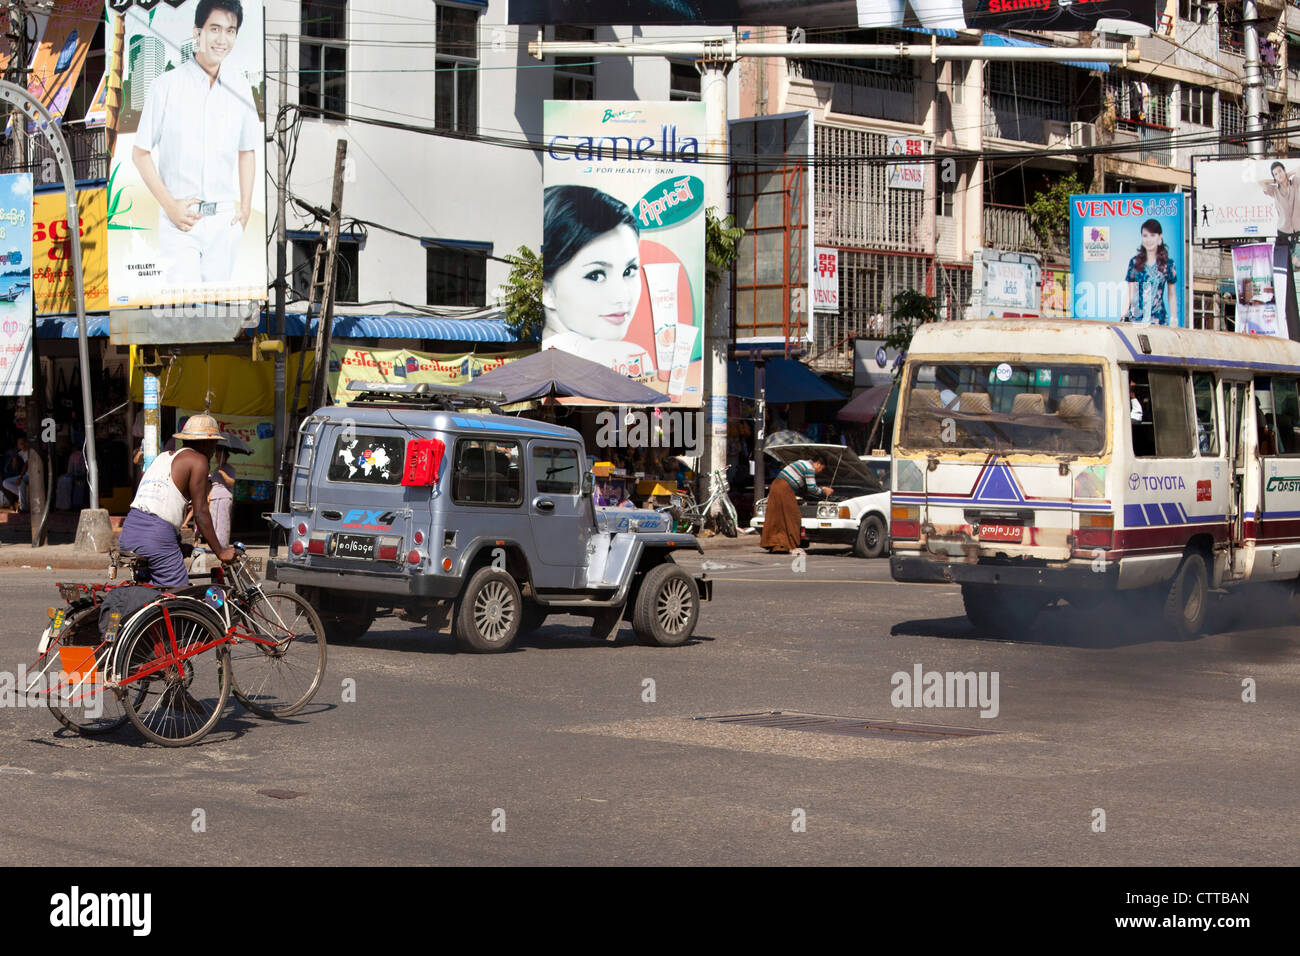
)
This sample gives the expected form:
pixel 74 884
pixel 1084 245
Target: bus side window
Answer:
pixel 1169 432
pixel 1286 415
pixel 1142 424
pixel 1265 435
pixel 1207 419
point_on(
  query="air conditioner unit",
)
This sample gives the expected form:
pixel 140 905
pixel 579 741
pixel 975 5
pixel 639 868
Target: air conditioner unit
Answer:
pixel 1056 133
pixel 1083 135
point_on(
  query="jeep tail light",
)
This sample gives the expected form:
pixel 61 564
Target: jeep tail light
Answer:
pixel 387 547
pixel 423 456
pixel 317 543
pixel 302 528
pixel 905 522
pixel 387 552
pixel 446 564
pixel 419 537
pixel 296 547
pixel 414 557
pixel 1096 531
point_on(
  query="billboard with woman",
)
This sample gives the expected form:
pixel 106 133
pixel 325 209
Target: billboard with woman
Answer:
pixel 1127 256
pixel 623 239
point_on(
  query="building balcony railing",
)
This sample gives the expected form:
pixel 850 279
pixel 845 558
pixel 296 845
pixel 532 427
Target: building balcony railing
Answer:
pixel 1007 228
pixel 87 147
pixel 1020 119
pixel 860 91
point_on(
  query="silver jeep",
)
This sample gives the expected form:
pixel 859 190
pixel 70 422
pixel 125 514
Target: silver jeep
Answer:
pixel 413 499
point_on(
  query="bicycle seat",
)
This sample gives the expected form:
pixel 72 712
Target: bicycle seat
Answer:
pixel 125 555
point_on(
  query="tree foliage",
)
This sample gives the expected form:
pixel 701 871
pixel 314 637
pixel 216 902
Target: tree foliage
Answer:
pixel 721 246
pixel 524 314
pixel 912 309
pixel 1049 212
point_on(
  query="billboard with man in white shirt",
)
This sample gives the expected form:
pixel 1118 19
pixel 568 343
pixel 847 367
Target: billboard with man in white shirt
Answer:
pixel 186 194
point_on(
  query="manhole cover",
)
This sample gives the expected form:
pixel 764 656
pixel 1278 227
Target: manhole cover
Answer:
pixel 845 726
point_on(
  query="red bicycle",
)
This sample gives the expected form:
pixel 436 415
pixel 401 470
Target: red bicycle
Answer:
pixel 170 666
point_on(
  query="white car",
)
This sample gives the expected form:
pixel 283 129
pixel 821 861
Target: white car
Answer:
pixel 856 513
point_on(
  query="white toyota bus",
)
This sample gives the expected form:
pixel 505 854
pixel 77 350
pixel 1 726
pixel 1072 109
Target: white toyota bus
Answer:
pixel 1036 460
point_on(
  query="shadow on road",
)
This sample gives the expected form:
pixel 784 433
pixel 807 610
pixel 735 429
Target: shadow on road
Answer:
pixel 1252 617
pixel 550 637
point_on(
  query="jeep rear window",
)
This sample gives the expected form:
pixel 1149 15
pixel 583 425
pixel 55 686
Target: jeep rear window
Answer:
pixel 488 472
pixel 368 459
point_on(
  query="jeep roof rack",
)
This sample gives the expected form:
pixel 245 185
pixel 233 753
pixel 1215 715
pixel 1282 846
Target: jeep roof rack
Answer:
pixel 424 395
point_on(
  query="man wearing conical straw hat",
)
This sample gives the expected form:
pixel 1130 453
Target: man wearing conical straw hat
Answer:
pixel 152 527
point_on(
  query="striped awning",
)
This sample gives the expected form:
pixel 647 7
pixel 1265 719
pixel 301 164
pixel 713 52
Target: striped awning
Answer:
pixel 403 327
pixel 997 39
pixel 942 32
pixel 65 326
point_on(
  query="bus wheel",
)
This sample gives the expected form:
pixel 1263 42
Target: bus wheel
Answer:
pixel 999 611
pixel 1188 597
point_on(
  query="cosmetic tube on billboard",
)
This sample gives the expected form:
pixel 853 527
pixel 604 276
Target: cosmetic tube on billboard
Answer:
pixel 682 348
pixel 661 280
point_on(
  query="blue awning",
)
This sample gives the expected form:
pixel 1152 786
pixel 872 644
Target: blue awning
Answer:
pixel 403 327
pixel 785 381
pixel 65 326
pixel 997 39
pixel 942 32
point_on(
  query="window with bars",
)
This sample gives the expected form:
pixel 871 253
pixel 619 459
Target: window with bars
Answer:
pixel 346 270
pixel 944 196
pixel 1230 29
pixel 1140 102
pixel 1195 11
pixel 878 88
pixel 1196 105
pixel 683 82
pixel 455 277
pixel 323 58
pixel 1232 123
pixel 1203 310
pixel 455 105
pixel 1020 96
pixel 853 205
pixel 575 76
pixel 868 283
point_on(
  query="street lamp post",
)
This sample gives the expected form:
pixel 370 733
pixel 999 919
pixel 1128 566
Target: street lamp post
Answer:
pixel 94 531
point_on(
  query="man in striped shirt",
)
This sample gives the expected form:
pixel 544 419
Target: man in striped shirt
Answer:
pixel 781 521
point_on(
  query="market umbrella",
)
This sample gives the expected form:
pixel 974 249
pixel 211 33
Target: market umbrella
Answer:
pixel 236 444
pixel 787 436
pixel 866 406
pixel 553 373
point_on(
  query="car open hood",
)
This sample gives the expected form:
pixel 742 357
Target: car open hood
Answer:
pixel 842 465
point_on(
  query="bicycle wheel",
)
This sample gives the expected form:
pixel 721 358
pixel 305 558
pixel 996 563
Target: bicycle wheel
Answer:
pixel 174 699
pixel 78 698
pixel 277 680
pixel 726 519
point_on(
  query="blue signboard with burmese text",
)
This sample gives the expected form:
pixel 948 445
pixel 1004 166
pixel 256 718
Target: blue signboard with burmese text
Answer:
pixel 1127 257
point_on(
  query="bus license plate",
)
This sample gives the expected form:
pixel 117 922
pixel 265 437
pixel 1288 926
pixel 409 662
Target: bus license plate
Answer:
pixel 354 546
pixel 1002 532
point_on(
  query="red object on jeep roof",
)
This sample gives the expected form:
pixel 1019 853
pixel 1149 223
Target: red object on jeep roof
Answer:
pixel 423 458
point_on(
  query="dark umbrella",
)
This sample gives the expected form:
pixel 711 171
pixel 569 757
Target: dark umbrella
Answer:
pixel 866 406
pixel 236 444
pixel 553 373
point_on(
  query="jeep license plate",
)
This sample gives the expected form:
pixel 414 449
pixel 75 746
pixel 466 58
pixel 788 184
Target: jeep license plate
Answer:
pixel 354 546
pixel 1011 533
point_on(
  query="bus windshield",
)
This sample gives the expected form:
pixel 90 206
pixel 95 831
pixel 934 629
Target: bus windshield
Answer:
pixel 1020 405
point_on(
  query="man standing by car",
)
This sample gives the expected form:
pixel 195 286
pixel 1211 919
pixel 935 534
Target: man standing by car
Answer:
pixel 781 521
pixel 152 526
pixel 202 122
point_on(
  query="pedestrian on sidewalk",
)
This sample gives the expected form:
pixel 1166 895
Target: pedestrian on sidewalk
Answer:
pixel 781 520
pixel 15 480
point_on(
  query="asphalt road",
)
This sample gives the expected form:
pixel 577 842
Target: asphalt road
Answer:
pixel 556 741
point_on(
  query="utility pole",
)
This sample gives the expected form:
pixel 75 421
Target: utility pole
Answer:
pixel 1253 82
pixel 324 330
pixel 714 65
pixel 280 422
